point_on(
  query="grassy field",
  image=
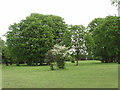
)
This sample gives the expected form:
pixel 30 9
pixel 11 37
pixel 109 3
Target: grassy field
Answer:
pixel 89 74
pixel 0 76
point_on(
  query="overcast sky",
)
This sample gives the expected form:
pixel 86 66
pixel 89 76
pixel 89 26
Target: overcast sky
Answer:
pixel 74 12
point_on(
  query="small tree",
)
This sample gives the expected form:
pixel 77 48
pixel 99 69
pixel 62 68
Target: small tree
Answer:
pixel 78 42
pixel 57 54
pixel 50 58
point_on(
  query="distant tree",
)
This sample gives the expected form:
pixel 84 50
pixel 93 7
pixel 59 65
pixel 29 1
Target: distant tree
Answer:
pixel 78 42
pixel 4 54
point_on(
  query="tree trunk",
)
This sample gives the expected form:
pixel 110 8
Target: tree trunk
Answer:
pixel 77 62
pixel 10 63
pixel 6 63
pixel 18 64
pixel 41 63
pixel 51 67
pixel 102 61
pixel 36 63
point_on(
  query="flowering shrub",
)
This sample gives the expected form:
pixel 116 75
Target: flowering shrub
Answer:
pixel 57 54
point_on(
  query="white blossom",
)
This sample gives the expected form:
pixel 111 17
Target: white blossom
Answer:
pixel 59 50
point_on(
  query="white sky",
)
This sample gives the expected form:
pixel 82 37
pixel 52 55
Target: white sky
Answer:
pixel 74 12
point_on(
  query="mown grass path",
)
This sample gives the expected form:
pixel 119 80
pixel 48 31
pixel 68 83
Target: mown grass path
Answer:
pixel 89 74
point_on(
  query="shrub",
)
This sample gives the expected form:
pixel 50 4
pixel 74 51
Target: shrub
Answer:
pixel 57 54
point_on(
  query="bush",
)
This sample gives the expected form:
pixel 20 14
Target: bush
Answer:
pixel 57 54
pixel 70 58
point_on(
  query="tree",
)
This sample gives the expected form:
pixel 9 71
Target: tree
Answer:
pixel 90 44
pixel 4 54
pixel 0 47
pixel 1 43
pixel 67 40
pixel 57 54
pixel 50 59
pixel 93 24
pixel 89 40
pixel 34 36
pixel 115 2
pixel 106 39
pixel 78 42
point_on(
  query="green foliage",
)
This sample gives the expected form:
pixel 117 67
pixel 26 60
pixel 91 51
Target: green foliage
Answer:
pixel 93 24
pixel 4 53
pixel 78 33
pixel 0 47
pixel 50 57
pixel 34 36
pixel 69 58
pixel 67 38
pixel 115 2
pixel 106 38
pixel 57 54
pixel 78 42
pixel 90 44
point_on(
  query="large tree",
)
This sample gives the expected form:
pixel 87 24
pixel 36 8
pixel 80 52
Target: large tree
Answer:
pixel 106 37
pixel 89 40
pixel 90 44
pixel 30 39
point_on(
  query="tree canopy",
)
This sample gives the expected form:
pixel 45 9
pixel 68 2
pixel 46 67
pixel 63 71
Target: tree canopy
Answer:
pixel 106 38
pixel 34 36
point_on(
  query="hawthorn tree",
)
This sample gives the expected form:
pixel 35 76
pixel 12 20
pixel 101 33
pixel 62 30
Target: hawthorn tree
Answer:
pixel 57 54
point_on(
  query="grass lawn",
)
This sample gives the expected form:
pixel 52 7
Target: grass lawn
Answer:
pixel 0 76
pixel 89 74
